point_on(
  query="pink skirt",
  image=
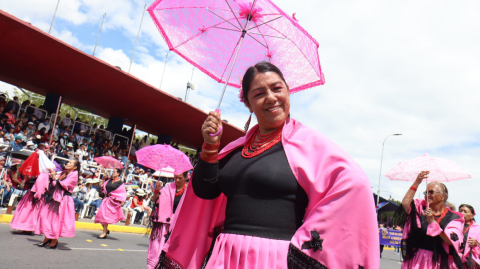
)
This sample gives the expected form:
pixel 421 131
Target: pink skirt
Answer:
pixel 110 212
pixel 423 260
pixel 54 225
pixel 233 251
pixel 26 214
pixel 155 247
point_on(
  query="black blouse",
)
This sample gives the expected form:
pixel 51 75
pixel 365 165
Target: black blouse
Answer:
pixel 111 186
pixel 264 197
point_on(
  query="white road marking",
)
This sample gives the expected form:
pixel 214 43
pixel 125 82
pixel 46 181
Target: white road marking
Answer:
pixel 106 249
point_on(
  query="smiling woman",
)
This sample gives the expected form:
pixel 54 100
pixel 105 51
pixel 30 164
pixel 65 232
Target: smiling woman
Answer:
pixel 271 198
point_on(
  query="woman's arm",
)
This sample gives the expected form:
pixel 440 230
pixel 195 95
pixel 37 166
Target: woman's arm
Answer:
pixel 408 198
pixel 205 180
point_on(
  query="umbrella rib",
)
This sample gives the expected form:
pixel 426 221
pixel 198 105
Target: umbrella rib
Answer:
pixel 257 40
pixel 223 18
pixel 230 60
pixel 226 29
pixel 267 35
pixel 265 23
pixel 239 24
pixel 214 26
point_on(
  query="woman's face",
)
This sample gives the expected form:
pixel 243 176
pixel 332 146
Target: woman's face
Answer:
pixel 115 173
pixel 179 180
pixel 70 165
pixel 467 214
pixel 434 195
pixel 269 99
pixel 12 111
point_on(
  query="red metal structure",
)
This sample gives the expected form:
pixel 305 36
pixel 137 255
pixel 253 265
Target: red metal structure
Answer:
pixel 38 62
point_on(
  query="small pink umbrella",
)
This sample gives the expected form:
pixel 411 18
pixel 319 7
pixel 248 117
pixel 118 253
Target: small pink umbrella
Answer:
pixel 441 170
pixel 108 162
pixel 159 157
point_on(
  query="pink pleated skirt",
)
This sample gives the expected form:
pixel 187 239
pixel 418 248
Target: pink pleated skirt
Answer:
pixel 423 260
pixel 54 225
pixel 26 215
pixel 233 251
pixel 110 212
pixel 155 247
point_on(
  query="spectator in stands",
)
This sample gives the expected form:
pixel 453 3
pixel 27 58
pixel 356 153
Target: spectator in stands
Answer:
pixel 136 144
pixel 85 127
pixel 144 142
pixel 82 153
pixel 126 208
pixel 31 130
pixel 73 141
pixel 17 144
pixel 92 195
pixel 137 205
pixel 67 130
pixel 30 145
pixel 24 135
pixel 97 200
pixel 3 122
pixel 37 139
pixel 11 119
pixel 45 124
pixel 79 137
pixel 24 105
pixel 39 112
pixel 13 105
pixel 66 121
pixel 51 152
pixel 18 127
pixel 23 118
pixel 79 194
pixel 70 151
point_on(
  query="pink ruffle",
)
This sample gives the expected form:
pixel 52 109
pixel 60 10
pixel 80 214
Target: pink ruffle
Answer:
pixel 155 247
pixel 423 260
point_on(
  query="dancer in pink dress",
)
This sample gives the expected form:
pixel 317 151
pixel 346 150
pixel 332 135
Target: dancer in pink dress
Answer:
pixel 57 217
pixel 283 196
pixel 28 209
pixel 470 248
pixel 433 233
pixel 166 204
pixel 115 195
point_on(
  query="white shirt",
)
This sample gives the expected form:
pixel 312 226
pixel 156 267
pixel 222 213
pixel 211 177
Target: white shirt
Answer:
pixel 92 195
pixel 66 121
pixel 41 125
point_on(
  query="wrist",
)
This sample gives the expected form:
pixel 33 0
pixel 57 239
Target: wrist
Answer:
pixel 209 152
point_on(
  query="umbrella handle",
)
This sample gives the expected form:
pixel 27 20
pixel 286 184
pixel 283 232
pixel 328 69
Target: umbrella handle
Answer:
pixel 219 129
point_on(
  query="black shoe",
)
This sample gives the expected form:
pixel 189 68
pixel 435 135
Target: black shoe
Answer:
pixel 23 232
pixel 99 237
pixel 52 247
pixel 45 244
pixel 108 231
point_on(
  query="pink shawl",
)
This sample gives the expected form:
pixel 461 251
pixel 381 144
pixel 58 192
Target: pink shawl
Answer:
pixel 41 185
pixel 119 194
pixel 475 234
pixel 340 208
pixel 165 203
pixel 68 184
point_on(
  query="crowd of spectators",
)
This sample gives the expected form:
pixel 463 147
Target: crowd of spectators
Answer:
pixel 24 126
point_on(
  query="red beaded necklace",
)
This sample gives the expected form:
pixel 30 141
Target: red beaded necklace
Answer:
pixel 468 228
pixel 439 218
pixel 255 147
pixel 180 192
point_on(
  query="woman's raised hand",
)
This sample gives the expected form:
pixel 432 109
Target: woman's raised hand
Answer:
pixel 422 175
pixel 212 125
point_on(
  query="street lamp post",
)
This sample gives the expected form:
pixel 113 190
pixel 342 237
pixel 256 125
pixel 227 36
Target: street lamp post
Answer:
pixel 381 161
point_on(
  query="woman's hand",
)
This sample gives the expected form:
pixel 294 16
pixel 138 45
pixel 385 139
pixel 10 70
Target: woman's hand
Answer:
pixel 211 126
pixel 429 214
pixel 421 176
pixel 158 185
pixel 472 242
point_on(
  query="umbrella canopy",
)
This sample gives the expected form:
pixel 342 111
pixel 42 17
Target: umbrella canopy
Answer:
pixel 441 170
pixel 108 162
pixel 224 38
pixel 164 172
pixel 159 157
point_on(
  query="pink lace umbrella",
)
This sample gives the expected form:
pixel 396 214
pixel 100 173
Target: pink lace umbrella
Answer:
pixel 223 38
pixel 159 157
pixel 441 170
pixel 108 162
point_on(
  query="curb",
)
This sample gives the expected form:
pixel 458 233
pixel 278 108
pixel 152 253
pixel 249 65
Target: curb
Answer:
pixel 5 218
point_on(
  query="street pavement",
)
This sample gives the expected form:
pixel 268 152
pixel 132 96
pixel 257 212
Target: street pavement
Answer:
pixel 119 250
pixel 85 251
pixel 390 260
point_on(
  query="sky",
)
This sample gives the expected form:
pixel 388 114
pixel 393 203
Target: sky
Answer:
pixel 409 67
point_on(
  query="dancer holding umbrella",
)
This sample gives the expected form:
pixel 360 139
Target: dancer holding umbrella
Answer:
pixel 470 247
pixel 166 199
pixel 272 198
pixel 114 196
pixel 432 231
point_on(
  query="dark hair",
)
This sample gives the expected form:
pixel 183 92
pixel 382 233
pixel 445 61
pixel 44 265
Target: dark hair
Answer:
pixel 469 207
pixel 76 164
pixel 119 170
pixel 252 71
pixel 185 174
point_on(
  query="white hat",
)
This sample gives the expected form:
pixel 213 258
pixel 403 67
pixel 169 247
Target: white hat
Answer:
pixel 89 181
pixel 96 180
pixel 30 123
pixel 140 192
pixel 129 189
pixel 82 131
pixel 30 143
pixel 70 145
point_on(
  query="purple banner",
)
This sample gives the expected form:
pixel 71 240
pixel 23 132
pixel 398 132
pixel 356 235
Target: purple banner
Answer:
pixel 390 237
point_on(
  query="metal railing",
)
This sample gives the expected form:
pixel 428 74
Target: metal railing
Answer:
pixel 44 117
pixel 115 135
pixel 90 127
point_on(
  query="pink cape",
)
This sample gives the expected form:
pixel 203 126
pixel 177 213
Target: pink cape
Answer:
pixel 474 233
pixel 54 225
pixel 26 215
pixel 165 215
pixel 423 258
pixel 340 208
pixel 110 210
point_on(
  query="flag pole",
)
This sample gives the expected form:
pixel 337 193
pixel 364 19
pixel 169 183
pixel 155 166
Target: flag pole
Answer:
pixel 129 149
pixel 55 120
